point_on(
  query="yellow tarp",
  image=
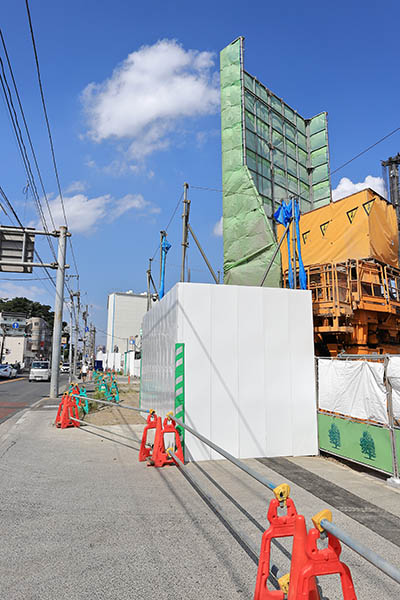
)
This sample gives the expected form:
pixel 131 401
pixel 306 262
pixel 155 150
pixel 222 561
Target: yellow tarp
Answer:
pixel 362 225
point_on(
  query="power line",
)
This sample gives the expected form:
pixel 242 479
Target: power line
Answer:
pixel 27 279
pixel 112 335
pixel 209 189
pixel 25 124
pixel 22 148
pixel 5 198
pixel 169 222
pixel 366 150
pixel 48 128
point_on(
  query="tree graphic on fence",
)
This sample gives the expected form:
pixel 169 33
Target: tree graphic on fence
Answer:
pixel 334 435
pixel 367 445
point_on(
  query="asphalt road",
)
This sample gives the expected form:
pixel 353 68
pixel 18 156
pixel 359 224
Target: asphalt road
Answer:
pixel 17 394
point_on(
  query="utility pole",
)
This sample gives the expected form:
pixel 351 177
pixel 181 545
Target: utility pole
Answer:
pixel 149 285
pixel 163 234
pixel 185 221
pixel 2 344
pixel 70 341
pixel 58 312
pixel 78 296
pixel 85 319
pixel 93 343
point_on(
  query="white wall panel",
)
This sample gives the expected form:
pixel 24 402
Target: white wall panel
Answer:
pixel 159 331
pixel 278 383
pixel 302 374
pixel 194 329
pixel 249 367
pixel 251 397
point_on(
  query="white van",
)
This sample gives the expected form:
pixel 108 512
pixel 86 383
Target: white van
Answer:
pixel 40 371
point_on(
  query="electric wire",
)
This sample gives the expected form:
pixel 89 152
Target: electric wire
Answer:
pixel 169 223
pixel 25 124
pixel 366 150
pixel 5 198
pixel 22 148
pixel 48 128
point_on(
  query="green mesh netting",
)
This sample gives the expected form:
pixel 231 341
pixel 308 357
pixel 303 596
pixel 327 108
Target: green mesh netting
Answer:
pixel 249 241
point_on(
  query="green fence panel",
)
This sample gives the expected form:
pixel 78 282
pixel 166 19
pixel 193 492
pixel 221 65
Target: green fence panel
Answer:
pixel 180 389
pixel 366 444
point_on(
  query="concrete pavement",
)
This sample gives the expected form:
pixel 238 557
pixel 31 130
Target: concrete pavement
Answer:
pixel 83 519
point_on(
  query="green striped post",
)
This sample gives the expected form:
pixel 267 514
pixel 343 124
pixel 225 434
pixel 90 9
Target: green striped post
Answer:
pixel 180 388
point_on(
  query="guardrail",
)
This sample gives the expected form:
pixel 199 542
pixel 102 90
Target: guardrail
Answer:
pixel 307 560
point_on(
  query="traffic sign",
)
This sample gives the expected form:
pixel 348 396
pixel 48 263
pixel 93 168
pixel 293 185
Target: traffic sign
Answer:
pixel 86 329
pixel 15 325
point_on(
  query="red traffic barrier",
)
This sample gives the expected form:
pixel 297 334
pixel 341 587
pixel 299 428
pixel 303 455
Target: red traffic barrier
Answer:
pixel 280 526
pixel 146 450
pixel 160 457
pixel 309 562
pixel 67 409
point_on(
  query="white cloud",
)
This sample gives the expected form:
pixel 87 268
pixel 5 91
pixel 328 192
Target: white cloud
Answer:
pixel 346 187
pixel 76 186
pixel 218 228
pixel 8 289
pixel 148 93
pixel 84 214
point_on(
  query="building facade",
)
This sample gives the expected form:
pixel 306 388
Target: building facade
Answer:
pixel 39 337
pixel 125 313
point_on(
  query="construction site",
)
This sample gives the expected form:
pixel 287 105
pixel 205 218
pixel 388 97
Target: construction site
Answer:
pixel 251 425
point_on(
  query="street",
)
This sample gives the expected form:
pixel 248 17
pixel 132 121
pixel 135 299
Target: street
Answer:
pixel 17 394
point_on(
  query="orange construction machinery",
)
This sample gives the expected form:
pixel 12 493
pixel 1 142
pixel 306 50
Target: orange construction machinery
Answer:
pixel 350 250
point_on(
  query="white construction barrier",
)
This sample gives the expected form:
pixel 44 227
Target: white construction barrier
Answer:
pixel 248 382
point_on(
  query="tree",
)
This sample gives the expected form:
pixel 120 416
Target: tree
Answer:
pixel 334 435
pixel 367 445
pixel 30 308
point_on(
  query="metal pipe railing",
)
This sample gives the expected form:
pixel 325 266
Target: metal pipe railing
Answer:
pixel 362 550
pixel 115 404
pixel 125 437
pixel 251 548
pixel 371 556
pixel 260 478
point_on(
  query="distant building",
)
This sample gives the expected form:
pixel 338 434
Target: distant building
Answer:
pixel 125 314
pixel 13 337
pixel 39 337
pixel 22 344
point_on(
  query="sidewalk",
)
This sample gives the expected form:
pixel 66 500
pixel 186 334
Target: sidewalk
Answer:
pixel 83 519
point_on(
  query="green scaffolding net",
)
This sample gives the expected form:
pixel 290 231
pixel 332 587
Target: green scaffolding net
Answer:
pixel 269 153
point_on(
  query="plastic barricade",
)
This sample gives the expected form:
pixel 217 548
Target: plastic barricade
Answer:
pixel 309 562
pixel 145 449
pixel 160 457
pixel 67 409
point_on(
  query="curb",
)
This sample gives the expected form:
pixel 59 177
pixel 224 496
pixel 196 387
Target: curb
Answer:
pixel 12 421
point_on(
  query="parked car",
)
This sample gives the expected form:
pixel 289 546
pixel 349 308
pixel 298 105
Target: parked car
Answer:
pixel 7 371
pixel 64 367
pixel 40 371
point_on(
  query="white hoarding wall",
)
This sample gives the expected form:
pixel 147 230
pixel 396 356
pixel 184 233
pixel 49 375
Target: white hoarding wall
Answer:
pixel 393 375
pixel 353 387
pixel 111 360
pixel 356 388
pixel 249 367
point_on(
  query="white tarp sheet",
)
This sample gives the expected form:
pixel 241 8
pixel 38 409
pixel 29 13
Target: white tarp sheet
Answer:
pixel 354 388
pixel 393 375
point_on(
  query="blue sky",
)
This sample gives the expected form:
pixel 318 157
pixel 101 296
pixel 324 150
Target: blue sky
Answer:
pixel 125 143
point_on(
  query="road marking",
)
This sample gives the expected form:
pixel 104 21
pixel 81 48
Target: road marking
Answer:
pixel 22 418
pixel 10 380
